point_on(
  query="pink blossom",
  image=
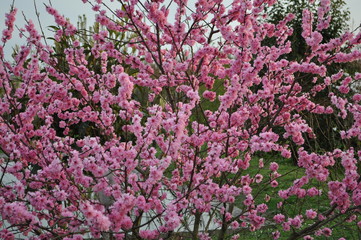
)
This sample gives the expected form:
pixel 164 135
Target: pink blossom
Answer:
pixel 148 234
pixel 279 218
pixel 273 166
pixel 258 178
pixel 276 235
pixel 327 232
pixel 274 183
pixel 310 213
pixel 234 225
pixel 308 237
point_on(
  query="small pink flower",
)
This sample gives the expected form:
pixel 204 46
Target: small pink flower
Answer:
pixel 296 221
pixel 260 163
pixel 246 189
pixel 311 214
pixel 235 237
pixel 62 124
pixel 273 166
pixel 327 232
pixel 262 208
pixel 286 226
pixel 279 218
pixel 235 225
pixel 210 95
pixel 258 178
pixel 274 183
pixel 276 235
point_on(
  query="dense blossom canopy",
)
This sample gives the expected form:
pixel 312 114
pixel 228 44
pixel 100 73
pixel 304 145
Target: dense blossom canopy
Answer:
pixel 163 124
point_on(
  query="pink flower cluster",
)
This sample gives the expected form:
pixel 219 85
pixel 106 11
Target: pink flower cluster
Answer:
pixel 95 217
pixel 153 125
pixel 9 23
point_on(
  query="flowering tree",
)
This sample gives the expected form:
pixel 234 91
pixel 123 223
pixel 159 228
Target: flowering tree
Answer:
pixel 322 124
pixel 178 117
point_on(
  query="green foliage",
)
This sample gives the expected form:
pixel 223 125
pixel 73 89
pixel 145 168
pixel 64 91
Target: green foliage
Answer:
pixel 324 125
pixel 340 16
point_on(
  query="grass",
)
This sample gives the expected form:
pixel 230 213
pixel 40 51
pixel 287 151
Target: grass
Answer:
pixel 293 205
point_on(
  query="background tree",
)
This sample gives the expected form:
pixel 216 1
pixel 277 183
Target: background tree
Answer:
pixel 338 13
pixel 324 126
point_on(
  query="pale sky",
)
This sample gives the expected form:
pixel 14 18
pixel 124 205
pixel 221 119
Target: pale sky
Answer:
pixel 355 9
pixel 73 8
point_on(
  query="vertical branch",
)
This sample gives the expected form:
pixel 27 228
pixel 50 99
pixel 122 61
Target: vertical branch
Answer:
pixel 197 222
